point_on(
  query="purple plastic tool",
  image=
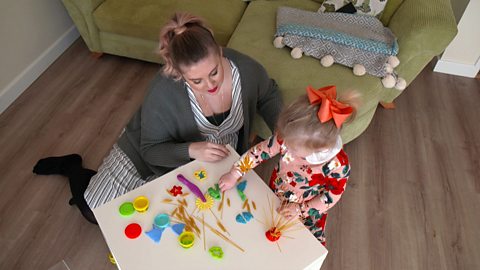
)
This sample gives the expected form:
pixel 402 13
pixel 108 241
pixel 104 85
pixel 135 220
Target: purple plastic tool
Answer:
pixel 193 188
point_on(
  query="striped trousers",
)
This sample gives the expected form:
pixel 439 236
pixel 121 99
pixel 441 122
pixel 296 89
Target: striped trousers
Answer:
pixel 116 176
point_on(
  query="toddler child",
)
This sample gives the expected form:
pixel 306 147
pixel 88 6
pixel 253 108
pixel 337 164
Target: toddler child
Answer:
pixel 313 170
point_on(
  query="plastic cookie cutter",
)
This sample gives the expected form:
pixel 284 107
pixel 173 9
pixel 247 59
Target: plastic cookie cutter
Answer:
pixel 175 191
pixel 244 217
pixel 200 175
pixel 112 259
pixel 186 239
pixel 216 252
pixel 204 205
pixel 160 223
pixel 241 188
pixel 215 192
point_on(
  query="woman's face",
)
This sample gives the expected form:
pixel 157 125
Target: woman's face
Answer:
pixel 206 76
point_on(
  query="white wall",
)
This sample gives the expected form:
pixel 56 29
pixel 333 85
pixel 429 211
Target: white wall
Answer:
pixel 458 7
pixel 33 34
pixel 462 56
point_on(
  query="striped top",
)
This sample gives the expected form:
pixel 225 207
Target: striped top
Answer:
pixel 227 131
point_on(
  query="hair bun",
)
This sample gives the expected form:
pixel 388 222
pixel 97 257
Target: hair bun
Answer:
pixel 179 30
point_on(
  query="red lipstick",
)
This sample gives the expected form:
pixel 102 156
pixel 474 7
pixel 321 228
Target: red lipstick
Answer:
pixel 213 90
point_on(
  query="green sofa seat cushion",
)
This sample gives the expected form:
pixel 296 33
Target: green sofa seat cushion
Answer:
pixel 144 18
pixel 294 75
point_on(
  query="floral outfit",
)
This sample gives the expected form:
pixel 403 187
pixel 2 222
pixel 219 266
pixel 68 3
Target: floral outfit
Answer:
pixel 316 188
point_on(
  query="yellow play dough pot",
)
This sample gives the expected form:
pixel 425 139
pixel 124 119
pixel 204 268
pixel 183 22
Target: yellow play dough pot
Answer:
pixel 186 239
pixel 141 204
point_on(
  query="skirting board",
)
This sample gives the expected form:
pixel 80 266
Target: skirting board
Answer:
pixel 16 87
pixel 458 69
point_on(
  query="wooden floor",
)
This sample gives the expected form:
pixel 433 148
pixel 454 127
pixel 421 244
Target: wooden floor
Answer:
pixel 413 200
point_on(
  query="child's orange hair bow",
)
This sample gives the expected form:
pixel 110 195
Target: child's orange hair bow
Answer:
pixel 329 106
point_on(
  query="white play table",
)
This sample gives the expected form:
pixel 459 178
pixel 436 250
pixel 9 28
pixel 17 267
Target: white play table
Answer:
pixel 300 250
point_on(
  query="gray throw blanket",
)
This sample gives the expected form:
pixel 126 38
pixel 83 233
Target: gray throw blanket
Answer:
pixel 349 38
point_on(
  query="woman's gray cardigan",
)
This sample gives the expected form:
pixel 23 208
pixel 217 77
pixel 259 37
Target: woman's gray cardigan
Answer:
pixel 158 136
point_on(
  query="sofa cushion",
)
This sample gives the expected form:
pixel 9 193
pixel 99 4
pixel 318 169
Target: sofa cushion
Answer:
pixel 144 18
pixel 293 76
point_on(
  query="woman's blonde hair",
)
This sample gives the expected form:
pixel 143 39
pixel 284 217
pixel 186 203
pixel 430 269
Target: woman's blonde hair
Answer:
pixel 184 41
pixel 298 123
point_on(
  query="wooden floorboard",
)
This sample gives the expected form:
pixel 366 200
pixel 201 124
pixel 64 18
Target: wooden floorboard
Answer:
pixel 412 201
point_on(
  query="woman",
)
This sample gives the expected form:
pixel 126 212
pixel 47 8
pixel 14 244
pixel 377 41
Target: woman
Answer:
pixel 203 98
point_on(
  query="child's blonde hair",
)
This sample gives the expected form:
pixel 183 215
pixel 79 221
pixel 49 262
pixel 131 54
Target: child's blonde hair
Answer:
pixel 185 40
pixel 298 123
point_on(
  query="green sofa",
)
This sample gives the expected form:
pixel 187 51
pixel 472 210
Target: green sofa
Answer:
pixel 130 28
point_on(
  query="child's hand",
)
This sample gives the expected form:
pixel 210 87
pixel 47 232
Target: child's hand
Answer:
pixel 289 210
pixel 228 180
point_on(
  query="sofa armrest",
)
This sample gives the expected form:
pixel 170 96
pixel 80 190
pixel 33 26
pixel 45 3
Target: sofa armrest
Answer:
pixel 424 29
pixel 81 12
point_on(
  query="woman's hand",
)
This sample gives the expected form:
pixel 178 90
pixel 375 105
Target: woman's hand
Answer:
pixel 289 210
pixel 228 180
pixel 208 151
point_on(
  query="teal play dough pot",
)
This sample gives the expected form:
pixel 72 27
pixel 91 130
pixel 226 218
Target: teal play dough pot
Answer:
pixel 162 221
